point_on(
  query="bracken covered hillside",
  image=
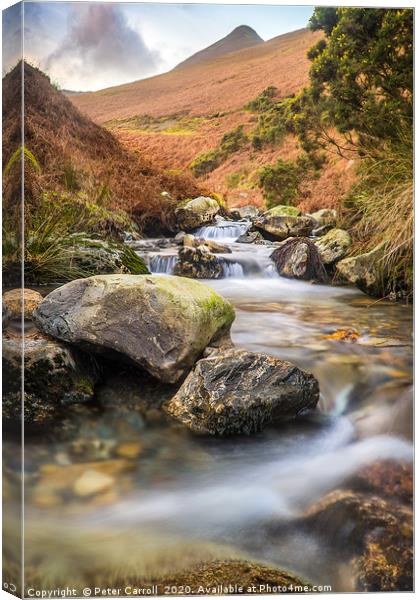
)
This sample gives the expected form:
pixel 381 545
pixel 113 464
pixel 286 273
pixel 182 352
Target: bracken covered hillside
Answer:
pixel 175 117
pixel 74 151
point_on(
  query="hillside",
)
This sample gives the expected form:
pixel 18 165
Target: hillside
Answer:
pixel 240 38
pixel 174 117
pixel 76 154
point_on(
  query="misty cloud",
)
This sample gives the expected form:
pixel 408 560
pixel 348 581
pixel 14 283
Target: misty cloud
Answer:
pixel 100 49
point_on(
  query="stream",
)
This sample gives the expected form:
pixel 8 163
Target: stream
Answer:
pixel 186 498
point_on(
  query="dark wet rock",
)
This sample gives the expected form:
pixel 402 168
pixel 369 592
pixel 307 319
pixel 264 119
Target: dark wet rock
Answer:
pixel 198 263
pixel 18 301
pixel 160 323
pixel 280 227
pixel 319 231
pixel 376 533
pixel 242 576
pixel 238 392
pixel 362 271
pixel 197 212
pixel 298 258
pixel 55 376
pixel 333 246
pixel 388 478
pixel 244 212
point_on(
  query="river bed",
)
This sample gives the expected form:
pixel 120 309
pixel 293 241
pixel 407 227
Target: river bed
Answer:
pixel 181 499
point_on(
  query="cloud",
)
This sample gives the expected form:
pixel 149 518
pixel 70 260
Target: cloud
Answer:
pixel 12 36
pixel 100 49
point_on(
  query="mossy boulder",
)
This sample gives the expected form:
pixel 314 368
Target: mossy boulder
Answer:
pixel 55 375
pixel 363 271
pixel 334 245
pixel 279 226
pixel 234 391
pixel 283 210
pixel 197 212
pixel 160 323
pixel 95 256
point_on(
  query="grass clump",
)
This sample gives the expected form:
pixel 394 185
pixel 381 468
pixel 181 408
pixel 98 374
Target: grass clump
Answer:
pixel 381 214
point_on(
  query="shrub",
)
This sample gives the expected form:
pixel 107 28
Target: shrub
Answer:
pixel 206 162
pixel 231 142
pixel 274 122
pixel 263 101
pixel 279 182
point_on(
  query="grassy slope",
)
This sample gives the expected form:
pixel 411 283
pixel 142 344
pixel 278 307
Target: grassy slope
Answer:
pixel 60 136
pixel 191 108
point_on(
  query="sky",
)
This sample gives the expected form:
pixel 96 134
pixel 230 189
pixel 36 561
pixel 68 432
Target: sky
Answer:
pixel 91 46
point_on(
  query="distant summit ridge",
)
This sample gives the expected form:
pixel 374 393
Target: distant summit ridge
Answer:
pixel 238 39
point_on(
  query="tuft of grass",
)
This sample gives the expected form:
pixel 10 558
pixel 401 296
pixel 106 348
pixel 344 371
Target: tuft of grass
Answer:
pixel 381 213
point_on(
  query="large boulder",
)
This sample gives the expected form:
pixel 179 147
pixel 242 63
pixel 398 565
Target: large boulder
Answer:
pixel 55 375
pixel 279 226
pixel 333 246
pixel 234 391
pixel 363 271
pixel 283 210
pixel 198 263
pixel 298 258
pixel 197 212
pixel 160 323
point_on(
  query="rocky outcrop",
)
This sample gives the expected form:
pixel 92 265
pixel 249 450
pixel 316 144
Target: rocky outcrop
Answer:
pixel 362 271
pixel 279 226
pixel 197 212
pixel 160 323
pixel 238 392
pixel 333 246
pixel 298 258
pixel 198 263
pixel 55 376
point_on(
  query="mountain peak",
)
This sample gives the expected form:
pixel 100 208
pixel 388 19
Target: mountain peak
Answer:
pixel 239 38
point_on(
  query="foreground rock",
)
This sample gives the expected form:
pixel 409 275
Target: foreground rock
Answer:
pixel 362 271
pixel 333 246
pixel 55 376
pixel 197 212
pixel 281 226
pixel 198 263
pixel 234 577
pixel 20 301
pixel 378 534
pixel 160 323
pixel 238 392
pixel 298 258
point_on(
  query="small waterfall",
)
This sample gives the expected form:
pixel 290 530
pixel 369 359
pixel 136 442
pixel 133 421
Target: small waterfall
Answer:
pixel 228 231
pixel 162 263
pixel 232 269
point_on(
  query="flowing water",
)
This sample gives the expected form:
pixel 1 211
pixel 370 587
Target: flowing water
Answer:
pixel 185 499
